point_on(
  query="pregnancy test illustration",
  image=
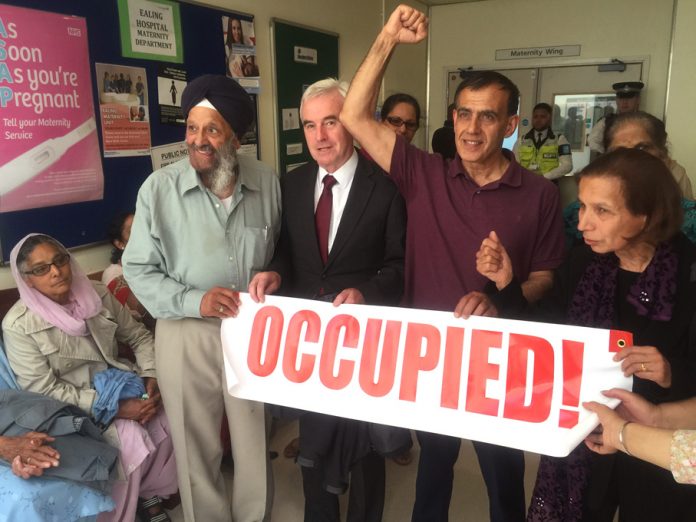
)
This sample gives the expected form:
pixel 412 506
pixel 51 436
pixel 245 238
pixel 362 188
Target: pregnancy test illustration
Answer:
pixel 34 161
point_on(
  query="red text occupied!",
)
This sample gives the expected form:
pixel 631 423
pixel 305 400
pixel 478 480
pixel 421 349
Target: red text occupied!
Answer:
pixel 423 348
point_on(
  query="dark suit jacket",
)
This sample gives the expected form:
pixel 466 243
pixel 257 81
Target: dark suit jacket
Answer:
pixel 368 251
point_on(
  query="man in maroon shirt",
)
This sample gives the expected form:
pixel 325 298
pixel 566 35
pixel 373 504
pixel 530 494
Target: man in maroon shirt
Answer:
pixel 452 206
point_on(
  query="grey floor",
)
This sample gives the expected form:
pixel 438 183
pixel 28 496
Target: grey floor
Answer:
pixel 469 500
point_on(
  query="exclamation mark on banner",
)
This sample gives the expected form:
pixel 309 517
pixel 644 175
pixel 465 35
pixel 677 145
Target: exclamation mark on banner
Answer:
pixel 572 379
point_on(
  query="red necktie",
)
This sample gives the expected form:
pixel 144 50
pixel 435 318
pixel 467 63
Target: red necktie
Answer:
pixel 322 216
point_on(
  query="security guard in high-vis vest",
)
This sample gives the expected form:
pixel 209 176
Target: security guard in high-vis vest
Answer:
pixel 541 150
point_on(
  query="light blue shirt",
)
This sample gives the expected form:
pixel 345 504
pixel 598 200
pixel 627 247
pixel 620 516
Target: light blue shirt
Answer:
pixel 184 242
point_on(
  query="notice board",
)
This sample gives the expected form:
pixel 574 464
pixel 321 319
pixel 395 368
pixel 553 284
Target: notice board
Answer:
pixel 302 56
pixel 77 224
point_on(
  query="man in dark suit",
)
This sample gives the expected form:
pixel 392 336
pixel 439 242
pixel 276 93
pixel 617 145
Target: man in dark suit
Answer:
pixel 342 239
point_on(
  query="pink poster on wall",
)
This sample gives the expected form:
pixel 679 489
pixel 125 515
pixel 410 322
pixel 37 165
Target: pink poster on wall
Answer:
pixel 50 149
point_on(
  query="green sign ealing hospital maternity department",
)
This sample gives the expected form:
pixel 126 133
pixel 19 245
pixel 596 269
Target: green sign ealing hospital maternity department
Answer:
pixel 151 30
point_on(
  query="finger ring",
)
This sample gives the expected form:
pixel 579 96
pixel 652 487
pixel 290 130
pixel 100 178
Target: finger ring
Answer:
pixel 642 367
pixel 221 309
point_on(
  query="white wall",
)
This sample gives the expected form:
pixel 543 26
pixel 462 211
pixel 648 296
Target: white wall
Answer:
pixel 468 34
pixel 681 102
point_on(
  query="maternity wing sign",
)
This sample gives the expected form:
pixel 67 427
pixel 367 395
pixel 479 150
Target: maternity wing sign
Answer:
pixel 513 383
pixel 50 151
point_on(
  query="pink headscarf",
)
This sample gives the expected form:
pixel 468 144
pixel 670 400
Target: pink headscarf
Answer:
pixel 84 302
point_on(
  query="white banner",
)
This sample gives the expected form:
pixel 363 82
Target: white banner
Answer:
pixel 513 383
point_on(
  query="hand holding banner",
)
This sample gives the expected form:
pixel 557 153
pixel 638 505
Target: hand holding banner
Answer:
pixel 513 383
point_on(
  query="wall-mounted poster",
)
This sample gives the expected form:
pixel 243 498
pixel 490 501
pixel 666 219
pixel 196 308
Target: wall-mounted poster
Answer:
pixel 124 109
pixel 240 51
pixel 50 150
pixel 250 140
pixel 151 30
pixel 171 82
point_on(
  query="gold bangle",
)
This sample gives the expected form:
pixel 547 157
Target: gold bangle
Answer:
pixel 621 438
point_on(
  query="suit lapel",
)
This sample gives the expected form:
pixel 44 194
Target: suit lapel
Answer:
pixel 359 195
pixel 304 192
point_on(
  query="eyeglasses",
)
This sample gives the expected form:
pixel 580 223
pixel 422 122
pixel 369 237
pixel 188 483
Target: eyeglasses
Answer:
pixel 397 122
pixel 59 261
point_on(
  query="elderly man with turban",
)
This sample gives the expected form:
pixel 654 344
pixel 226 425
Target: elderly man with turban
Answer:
pixel 203 226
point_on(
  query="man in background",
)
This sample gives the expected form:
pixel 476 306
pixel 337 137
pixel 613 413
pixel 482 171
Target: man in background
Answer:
pixel 541 150
pixel 443 138
pixel 627 100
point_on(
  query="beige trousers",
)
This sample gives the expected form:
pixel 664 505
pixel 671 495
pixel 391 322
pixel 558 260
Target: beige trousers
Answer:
pixel 191 378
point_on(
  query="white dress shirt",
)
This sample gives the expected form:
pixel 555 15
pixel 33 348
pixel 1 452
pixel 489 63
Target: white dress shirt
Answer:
pixel 344 176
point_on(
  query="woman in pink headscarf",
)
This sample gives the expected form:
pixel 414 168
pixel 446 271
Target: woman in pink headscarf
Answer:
pixel 61 341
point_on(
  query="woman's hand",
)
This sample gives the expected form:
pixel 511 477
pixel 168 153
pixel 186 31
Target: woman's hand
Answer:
pixel 28 453
pixel 25 471
pixel 493 261
pixel 635 408
pixel 138 410
pixel 605 439
pixel 152 390
pixel 645 362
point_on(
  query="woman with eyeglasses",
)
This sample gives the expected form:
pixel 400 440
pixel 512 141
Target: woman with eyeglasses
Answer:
pixel 634 272
pixel 62 339
pixel 643 131
pixel 401 113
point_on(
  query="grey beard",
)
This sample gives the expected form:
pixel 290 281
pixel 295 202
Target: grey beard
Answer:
pixel 225 174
